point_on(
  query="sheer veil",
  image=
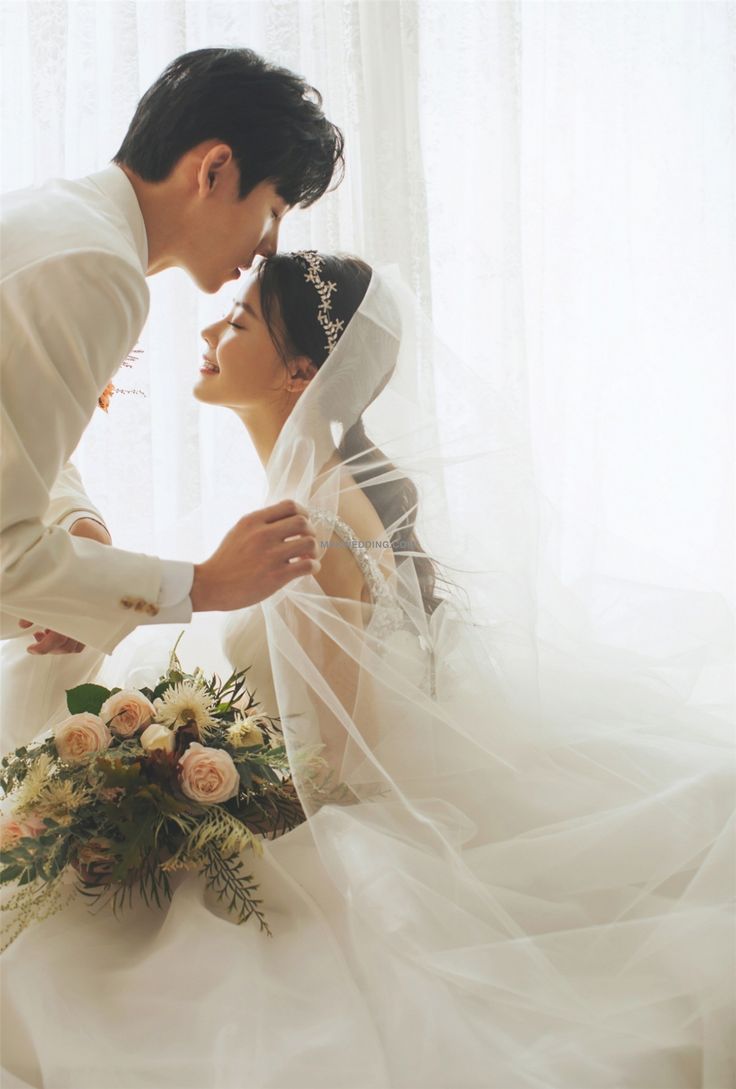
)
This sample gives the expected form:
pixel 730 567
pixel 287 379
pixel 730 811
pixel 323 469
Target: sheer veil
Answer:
pixel 519 784
pixel 526 801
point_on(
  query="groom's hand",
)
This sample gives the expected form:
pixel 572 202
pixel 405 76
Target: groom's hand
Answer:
pixel 256 558
pixel 53 642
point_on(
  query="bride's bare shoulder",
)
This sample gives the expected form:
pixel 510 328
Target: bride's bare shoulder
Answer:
pixel 340 575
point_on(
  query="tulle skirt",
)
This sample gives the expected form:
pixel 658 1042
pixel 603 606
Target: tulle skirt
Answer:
pixel 601 953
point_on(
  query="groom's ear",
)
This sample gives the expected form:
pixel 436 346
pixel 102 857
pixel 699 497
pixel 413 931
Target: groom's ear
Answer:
pixel 301 372
pixel 214 167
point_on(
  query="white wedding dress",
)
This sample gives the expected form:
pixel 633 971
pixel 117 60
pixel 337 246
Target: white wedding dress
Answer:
pixel 410 988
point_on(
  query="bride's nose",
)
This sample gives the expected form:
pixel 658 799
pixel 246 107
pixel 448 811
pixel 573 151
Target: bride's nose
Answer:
pixel 209 333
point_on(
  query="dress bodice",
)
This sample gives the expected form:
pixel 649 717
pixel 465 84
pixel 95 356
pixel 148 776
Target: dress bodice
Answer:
pixel 244 644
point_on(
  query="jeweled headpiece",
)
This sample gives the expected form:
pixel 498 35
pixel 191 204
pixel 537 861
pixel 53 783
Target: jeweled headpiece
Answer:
pixel 325 290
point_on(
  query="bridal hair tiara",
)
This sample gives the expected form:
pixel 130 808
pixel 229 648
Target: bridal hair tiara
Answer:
pixel 325 290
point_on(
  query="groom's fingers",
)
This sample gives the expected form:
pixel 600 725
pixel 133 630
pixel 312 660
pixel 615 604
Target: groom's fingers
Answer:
pixel 296 526
pixel 293 536
pixel 53 642
pixel 287 508
pixel 260 554
pixel 298 546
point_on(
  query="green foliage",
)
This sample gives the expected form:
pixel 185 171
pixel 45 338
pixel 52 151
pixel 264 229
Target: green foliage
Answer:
pixel 15 765
pixel 246 776
pixel 87 697
pixel 224 877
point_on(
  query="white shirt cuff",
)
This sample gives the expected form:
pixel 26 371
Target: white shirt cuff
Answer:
pixel 174 602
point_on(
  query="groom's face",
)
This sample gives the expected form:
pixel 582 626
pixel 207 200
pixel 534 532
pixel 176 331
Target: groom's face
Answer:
pixel 225 233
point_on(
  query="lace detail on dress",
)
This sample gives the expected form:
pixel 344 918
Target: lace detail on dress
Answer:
pixel 388 615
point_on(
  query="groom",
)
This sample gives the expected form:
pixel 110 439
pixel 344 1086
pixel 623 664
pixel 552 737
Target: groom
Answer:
pixel 219 149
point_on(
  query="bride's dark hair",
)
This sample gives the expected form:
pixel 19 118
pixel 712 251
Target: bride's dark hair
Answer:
pixel 289 307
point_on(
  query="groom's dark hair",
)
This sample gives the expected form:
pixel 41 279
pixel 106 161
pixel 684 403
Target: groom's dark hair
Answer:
pixel 270 117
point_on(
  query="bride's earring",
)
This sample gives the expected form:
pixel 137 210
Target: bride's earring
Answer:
pixel 299 381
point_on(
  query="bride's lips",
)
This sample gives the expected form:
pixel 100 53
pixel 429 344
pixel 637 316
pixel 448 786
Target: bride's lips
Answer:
pixel 208 367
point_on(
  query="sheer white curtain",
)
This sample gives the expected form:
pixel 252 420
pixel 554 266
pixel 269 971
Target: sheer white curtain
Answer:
pixel 555 179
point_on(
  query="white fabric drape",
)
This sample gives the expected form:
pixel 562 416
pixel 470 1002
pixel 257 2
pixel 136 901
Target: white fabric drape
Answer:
pixel 556 181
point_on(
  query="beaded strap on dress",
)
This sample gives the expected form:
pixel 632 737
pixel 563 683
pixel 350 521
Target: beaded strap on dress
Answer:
pixel 388 615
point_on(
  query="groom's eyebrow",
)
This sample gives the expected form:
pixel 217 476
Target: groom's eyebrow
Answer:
pixel 247 307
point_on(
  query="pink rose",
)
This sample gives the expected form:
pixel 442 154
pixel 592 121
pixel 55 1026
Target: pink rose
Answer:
pixel 126 712
pixel 208 775
pixel 80 736
pixel 14 828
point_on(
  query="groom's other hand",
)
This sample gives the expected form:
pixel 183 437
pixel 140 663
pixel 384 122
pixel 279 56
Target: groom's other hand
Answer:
pixel 259 555
pixel 53 642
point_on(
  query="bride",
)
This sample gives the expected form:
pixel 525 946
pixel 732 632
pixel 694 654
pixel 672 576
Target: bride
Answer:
pixel 514 867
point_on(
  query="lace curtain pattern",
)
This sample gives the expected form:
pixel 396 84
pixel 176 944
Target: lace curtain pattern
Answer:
pixel 555 180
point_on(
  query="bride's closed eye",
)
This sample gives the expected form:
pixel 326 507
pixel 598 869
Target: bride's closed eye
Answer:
pixel 235 325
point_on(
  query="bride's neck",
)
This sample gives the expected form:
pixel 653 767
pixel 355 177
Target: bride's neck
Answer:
pixel 263 428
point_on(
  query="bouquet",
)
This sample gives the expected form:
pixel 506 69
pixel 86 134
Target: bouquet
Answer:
pixel 137 783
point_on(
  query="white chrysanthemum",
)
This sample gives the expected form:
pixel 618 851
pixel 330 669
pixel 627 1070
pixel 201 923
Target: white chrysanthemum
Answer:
pixel 183 703
pixel 306 758
pixel 35 782
pixel 245 732
pixel 60 797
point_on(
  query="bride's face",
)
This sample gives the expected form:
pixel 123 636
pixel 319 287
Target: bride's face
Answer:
pixel 241 365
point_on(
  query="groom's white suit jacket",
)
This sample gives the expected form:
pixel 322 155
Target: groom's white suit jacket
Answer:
pixel 73 302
